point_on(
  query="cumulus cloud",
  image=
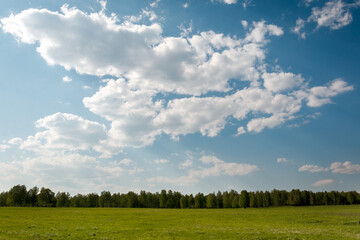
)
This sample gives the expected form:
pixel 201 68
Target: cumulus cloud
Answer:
pixel 319 96
pixel 336 167
pixel 324 182
pixel 65 131
pixel 218 168
pixel 334 14
pixel 345 168
pixel 312 168
pixel 277 82
pixel 176 85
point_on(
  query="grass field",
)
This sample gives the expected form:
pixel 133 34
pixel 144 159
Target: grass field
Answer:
pixel 321 222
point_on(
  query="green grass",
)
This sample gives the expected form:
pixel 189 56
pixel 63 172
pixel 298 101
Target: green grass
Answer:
pixel 321 222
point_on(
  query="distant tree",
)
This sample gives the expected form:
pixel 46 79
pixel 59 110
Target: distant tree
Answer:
pixel 219 200
pixel 253 200
pixel 3 198
pixel 170 203
pixel 275 197
pixel 142 199
pixel 92 200
pixel 244 200
pixel 191 201
pixel 211 200
pixel 32 196
pixel 163 198
pixel 116 200
pixel 267 199
pixel 351 197
pixel 17 196
pixel 105 199
pixel 132 200
pixel 184 201
pixel 199 200
pixel 226 200
pixel 294 197
pixel 46 198
pixel 62 199
pixel 260 198
pixel 234 199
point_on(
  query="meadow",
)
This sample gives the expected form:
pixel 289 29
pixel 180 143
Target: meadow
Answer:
pixel 315 222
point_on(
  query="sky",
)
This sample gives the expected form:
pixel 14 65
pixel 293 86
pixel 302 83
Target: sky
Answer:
pixel 188 95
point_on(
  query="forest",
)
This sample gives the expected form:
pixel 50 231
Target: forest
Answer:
pixel 20 196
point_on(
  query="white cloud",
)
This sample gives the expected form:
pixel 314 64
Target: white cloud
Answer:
pixel 172 85
pixel 126 161
pixel 312 168
pixel 15 141
pixel 186 164
pixel 240 131
pixel 222 168
pixel 300 25
pixel 345 168
pixel 281 81
pixel 336 167
pixel 282 160
pixel 219 168
pixel 319 96
pixel 161 161
pixel 154 4
pixel 244 23
pixel 66 79
pixel 334 14
pixel 226 1
pixel 65 131
pixel 4 147
pixel 185 5
pixel 324 182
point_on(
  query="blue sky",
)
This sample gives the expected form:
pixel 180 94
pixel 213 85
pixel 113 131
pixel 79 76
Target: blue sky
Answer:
pixel 192 96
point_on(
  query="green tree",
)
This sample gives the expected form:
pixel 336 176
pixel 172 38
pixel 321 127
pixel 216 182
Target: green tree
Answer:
pixel 226 200
pixel 17 196
pixel 244 200
pixel 62 199
pixel 191 201
pixel 46 198
pixel 219 200
pixel 92 200
pixel 267 199
pixel 33 196
pixel 184 201
pixel 199 200
pixel 3 198
pixel 211 200
pixel 105 199
pixel 253 200
pixel 163 198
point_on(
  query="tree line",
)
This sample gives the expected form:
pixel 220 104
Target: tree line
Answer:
pixel 19 196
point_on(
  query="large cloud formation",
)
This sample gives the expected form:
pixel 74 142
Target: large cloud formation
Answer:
pixel 174 85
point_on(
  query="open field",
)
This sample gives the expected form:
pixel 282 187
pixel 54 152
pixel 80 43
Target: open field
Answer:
pixel 320 222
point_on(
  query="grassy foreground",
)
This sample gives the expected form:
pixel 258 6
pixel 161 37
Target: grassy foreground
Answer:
pixel 320 222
